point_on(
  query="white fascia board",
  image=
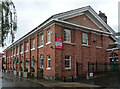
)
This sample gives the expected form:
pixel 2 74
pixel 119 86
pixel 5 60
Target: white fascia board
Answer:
pixel 100 20
pixel 80 26
pixel 29 33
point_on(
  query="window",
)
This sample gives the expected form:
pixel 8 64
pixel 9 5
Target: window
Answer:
pixel 48 61
pixel 33 61
pixel 27 45
pixel 48 36
pixel 14 51
pixel 33 43
pixel 21 61
pixel 67 62
pixel 84 38
pixel 41 39
pixel 27 62
pixel 18 50
pixel 41 61
pixel 67 35
pixel 22 48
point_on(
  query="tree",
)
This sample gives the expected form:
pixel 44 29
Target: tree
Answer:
pixel 8 20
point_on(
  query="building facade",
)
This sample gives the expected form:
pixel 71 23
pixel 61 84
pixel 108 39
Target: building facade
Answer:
pixel 56 45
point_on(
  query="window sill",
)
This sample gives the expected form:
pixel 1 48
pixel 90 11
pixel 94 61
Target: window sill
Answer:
pixel 67 68
pixel 18 54
pixel 41 67
pixel 65 42
pixel 48 43
pixel 40 46
pixel 21 53
pixel 32 49
pixel 86 45
pixel 26 51
pixel 99 47
pixel 48 68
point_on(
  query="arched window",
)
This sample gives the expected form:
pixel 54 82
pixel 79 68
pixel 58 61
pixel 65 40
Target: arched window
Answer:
pixel 41 61
pixel 113 57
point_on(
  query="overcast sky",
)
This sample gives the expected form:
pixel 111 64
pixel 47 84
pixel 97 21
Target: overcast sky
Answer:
pixel 31 13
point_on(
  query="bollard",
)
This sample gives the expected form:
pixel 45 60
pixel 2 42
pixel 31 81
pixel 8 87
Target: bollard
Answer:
pixel 64 79
pixel 72 79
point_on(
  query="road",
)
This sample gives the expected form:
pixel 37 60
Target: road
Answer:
pixel 9 80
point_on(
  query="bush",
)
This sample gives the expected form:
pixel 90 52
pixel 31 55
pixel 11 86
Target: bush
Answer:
pixel 13 68
pixel 26 61
pixel 32 70
pixel 20 69
pixel 25 69
pixel 20 62
pixel 40 70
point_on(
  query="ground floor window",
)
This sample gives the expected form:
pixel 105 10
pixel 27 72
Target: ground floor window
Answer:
pixel 113 57
pixel 21 62
pixel 33 61
pixel 41 61
pixel 67 62
pixel 26 62
pixel 48 61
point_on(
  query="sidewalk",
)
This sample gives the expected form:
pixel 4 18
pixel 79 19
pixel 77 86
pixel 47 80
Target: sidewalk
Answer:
pixel 52 83
pixel 56 83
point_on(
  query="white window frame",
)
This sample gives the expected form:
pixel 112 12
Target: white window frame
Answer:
pixel 27 46
pixel 67 35
pixel 48 36
pixel 33 46
pixel 21 49
pixel 84 38
pixel 48 59
pixel 33 63
pixel 41 61
pixel 69 61
pixel 17 50
pixel 41 40
pixel 27 65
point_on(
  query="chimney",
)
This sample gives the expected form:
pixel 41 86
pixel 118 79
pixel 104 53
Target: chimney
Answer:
pixel 103 16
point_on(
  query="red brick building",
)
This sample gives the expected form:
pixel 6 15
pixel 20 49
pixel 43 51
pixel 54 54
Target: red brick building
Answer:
pixel 60 42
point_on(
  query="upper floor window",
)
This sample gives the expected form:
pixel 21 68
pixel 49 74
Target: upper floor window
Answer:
pixel 14 51
pixel 67 62
pixel 33 43
pixel 48 36
pixel 67 35
pixel 41 39
pixel 21 48
pixel 18 49
pixel 27 45
pixel 85 38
